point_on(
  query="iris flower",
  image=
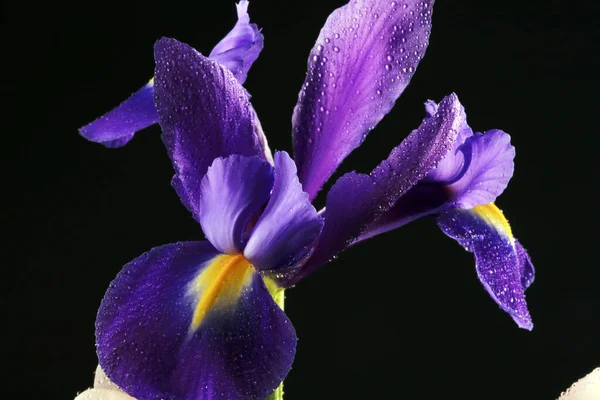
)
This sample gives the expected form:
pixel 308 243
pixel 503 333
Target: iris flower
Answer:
pixel 198 320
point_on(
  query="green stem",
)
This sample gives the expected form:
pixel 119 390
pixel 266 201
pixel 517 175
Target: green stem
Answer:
pixel 279 296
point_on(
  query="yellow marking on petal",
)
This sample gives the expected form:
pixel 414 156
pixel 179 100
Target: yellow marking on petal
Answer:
pixel 220 285
pixel 276 292
pixel 493 216
pixel 150 82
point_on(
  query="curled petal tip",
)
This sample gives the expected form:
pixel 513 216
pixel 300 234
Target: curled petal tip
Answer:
pixel 242 9
pixel 525 324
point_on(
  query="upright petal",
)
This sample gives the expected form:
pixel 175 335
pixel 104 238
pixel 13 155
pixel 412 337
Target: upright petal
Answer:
pixel 364 57
pixel 236 52
pixel 476 171
pixel 499 262
pixel 233 190
pixel 242 45
pixel 356 200
pixel 204 114
pixel 451 166
pixel 150 345
pixel 285 233
pixel 488 168
pixel 117 127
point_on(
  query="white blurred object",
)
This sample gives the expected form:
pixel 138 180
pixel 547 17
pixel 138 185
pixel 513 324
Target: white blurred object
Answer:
pixel 104 389
pixel 587 388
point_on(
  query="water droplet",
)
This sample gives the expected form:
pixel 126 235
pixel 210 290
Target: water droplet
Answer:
pixel 388 67
pixel 327 40
pixel 320 47
pixel 393 4
pixel 336 49
pixel 390 58
pixel 337 36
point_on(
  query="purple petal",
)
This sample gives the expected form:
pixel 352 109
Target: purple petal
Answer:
pixel 450 167
pixel 232 191
pixel 474 172
pixel 526 267
pixel 286 231
pixel 204 114
pixel 236 52
pixel 499 263
pixel 241 351
pixel 488 167
pixel 117 127
pixel 422 200
pixel 357 200
pixel 364 57
pixel 242 45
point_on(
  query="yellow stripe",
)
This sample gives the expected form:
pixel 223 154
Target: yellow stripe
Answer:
pixel 493 216
pixel 220 285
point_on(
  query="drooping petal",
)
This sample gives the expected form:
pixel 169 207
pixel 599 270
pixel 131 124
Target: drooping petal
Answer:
pixel 242 45
pixel 153 343
pixel 356 200
pixel 526 271
pixel 117 127
pixel 286 231
pixel 233 189
pixel 236 52
pixel 499 262
pixel 363 59
pixel 204 114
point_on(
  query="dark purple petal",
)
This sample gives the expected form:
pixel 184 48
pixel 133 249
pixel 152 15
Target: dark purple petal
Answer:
pixel 285 233
pixel 363 59
pixel 488 166
pixel 117 127
pixel 357 200
pixel 498 260
pixel 236 51
pixel 232 190
pixel 526 267
pixel 204 114
pixel 242 45
pixel 145 344
pixel 420 201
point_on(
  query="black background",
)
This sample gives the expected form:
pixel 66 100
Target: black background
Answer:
pixel 401 315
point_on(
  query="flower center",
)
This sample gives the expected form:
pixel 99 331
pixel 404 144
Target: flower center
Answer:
pixel 220 285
